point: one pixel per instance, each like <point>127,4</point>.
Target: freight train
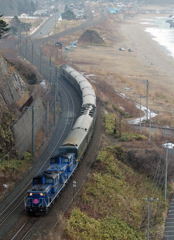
<point>48,184</point>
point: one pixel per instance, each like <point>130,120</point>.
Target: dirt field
<point>125,71</point>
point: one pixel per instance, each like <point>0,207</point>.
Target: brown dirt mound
<point>91,36</point>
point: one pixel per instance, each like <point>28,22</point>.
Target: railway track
<point>11,211</point>
<point>26,228</point>
<point>14,223</point>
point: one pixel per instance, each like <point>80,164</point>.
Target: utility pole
<point>33,152</point>
<point>148,217</point>
<point>166,174</point>
<point>26,48</point>
<point>41,60</point>
<point>150,128</point>
<point>50,69</point>
<point>20,37</point>
<point>120,125</point>
<point>32,53</point>
<point>55,95</point>
<point>147,98</point>
<point>140,112</point>
<point>47,119</point>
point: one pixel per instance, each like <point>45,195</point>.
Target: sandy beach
<point>150,62</point>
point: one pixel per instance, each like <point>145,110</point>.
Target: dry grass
<point>121,70</point>
<point>22,99</point>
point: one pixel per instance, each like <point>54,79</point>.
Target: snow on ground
<point>90,75</point>
<point>43,84</point>
<point>144,109</point>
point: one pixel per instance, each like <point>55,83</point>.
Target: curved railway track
<point>14,224</point>
<point>25,229</point>
<point>11,209</point>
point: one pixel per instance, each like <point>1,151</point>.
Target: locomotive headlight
<point>41,194</point>
<point>31,194</point>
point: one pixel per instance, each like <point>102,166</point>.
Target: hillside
<point>16,7</point>
<point>112,204</point>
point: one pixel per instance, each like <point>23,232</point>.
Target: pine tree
<point>3,27</point>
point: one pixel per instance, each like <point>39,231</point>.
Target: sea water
<point>161,32</point>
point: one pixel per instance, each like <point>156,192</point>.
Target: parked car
<point>66,48</point>
<point>130,50</point>
<point>121,49</point>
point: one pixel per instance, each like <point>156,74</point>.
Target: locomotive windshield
<point>65,160</point>
<point>37,180</point>
<point>48,180</point>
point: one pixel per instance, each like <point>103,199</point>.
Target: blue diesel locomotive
<point>48,184</point>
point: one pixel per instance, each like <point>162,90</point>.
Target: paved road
<point>45,28</point>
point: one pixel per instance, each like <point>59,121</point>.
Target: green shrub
<point>80,226</point>
<point>112,203</point>
<point>122,112</point>
<point>27,156</point>
<point>131,136</point>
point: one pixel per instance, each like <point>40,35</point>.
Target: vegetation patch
<point>120,129</point>
<point>81,226</point>
<point>132,136</point>
<point>6,135</point>
<point>122,112</point>
<point>113,203</point>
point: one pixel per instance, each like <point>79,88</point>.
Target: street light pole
<point>166,174</point>
<point>167,145</point>
<point>150,128</point>
<point>140,111</point>
<point>148,217</point>
<point>33,137</point>
<point>147,98</point>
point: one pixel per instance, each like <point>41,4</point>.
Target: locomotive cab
<point>42,193</point>
<point>64,164</point>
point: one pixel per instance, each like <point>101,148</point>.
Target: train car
<point>81,84</point>
<point>48,184</point>
<point>78,140</point>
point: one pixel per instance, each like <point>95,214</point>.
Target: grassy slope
<point>113,205</point>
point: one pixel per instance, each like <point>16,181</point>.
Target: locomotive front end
<point>35,202</point>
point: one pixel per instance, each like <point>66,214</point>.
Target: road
<point>44,29</point>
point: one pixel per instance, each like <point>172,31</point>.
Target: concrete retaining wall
<point>22,130</point>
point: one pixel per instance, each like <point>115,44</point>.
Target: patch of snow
<point>144,109</point>
<point>121,95</point>
<point>43,84</point>
<point>168,145</point>
<point>90,75</point>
